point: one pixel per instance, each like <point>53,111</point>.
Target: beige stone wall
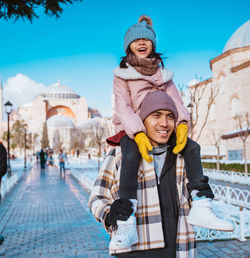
<point>231,85</point>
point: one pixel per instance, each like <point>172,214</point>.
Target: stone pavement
<point>46,215</point>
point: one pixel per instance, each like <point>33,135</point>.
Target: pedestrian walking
<point>141,72</point>
<point>43,159</point>
<point>62,157</point>
<point>3,170</point>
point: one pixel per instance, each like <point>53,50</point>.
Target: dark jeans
<point>42,165</point>
<point>62,166</point>
<point>131,160</point>
<point>129,168</point>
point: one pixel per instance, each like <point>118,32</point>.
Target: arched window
<point>235,106</point>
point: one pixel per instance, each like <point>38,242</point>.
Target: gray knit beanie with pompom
<point>141,30</point>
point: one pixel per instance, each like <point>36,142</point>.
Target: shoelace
<point>123,229</point>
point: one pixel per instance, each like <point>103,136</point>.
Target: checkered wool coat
<point>105,191</point>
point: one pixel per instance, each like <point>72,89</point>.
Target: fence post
<point>228,197</point>
<point>242,224</point>
<point>232,176</point>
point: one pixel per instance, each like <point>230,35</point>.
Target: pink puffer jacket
<point>130,88</point>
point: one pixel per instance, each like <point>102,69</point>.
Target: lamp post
<point>25,133</point>
<point>8,109</point>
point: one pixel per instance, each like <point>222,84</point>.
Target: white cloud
<point>20,90</point>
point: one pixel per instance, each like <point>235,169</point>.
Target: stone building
<point>59,106</point>
<point>230,83</point>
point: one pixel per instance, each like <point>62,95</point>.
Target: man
<point>62,158</point>
<point>43,159</point>
<point>3,169</point>
<point>162,195</point>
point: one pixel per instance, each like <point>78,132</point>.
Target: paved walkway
<point>47,216</point>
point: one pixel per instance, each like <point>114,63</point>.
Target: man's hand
<point>181,138</point>
<point>144,145</point>
<point>120,209</point>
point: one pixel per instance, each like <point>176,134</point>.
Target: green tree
<point>18,134</point>
<point>35,135</point>
<point>45,138</point>
<point>15,9</point>
<point>13,147</point>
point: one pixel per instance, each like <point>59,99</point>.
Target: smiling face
<point>141,47</point>
<point>159,125</point>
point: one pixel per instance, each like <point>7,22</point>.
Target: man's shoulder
<point>113,157</point>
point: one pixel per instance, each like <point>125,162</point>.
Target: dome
<point>240,38</point>
<point>58,90</point>
<point>60,121</point>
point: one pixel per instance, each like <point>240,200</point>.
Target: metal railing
<point>232,195</point>
<point>227,176</point>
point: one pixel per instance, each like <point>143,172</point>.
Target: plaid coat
<point>105,191</point>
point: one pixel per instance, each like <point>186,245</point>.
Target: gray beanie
<point>157,100</point>
<point>141,30</point>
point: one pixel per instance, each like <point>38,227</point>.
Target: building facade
<point>230,85</point>
<point>59,107</point>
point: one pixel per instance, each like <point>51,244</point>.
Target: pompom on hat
<point>157,100</point>
<point>141,30</point>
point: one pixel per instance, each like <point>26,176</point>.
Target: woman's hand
<point>144,146</point>
<point>181,138</point>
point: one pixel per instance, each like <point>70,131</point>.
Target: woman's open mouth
<point>142,50</point>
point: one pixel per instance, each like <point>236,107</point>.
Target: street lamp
<point>25,132</point>
<point>8,109</point>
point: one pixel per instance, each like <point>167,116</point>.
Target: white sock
<point>134,206</point>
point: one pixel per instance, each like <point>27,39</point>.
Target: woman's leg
<point>129,168</point>
<point>192,158</point>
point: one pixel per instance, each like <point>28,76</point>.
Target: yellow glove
<point>181,138</point>
<point>144,145</point>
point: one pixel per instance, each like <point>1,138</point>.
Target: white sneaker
<point>126,234</point>
<point>201,214</point>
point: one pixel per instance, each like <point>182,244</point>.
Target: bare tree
<point>77,141</point>
<point>216,141</point>
<point>96,133</point>
<point>57,143</point>
<point>243,126</point>
<point>200,94</point>
<point>99,133</point>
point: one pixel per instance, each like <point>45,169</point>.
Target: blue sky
<point>85,44</point>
